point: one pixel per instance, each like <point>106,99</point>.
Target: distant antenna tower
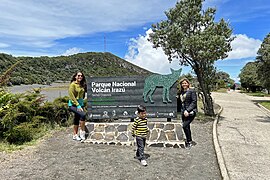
<point>104,42</point>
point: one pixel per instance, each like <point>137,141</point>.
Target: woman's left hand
<point>186,114</point>
<point>80,109</point>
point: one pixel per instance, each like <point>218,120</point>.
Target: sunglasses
<point>79,75</point>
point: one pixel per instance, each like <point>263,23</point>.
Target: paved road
<point>244,136</point>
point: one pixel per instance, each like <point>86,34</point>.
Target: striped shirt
<point>139,127</point>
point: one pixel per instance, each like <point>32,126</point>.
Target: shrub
<point>20,133</point>
<point>24,116</point>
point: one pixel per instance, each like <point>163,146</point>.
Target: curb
<point>267,111</point>
<point>220,158</point>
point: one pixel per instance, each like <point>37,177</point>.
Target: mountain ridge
<point>45,70</point>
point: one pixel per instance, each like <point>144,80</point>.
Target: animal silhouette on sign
<point>156,80</point>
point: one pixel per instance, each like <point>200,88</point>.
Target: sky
<point>121,27</point>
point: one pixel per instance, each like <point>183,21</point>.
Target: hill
<point>45,70</point>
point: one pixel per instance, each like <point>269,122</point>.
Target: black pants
<point>140,147</point>
<point>186,126</point>
<point>78,115</point>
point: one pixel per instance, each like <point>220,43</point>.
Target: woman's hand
<point>80,109</point>
<point>186,114</point>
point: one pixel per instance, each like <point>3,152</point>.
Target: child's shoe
<point>190,144</point>
<point>143,162</point>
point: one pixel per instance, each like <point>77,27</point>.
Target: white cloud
<point>72,51</point>
<point>141,53</point>
<point>244,47</point>
<point>30,53</point>
<point>41,23</point>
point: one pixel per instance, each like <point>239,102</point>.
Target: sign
<point>118,97</point>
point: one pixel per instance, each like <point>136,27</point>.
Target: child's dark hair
<point>141,108</point>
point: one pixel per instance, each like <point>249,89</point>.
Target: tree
<point>222,79</point>
<point>191,35</point>
<point>263,60</point>
<point>249,77</point>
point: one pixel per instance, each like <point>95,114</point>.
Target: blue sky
<point>53,28</point>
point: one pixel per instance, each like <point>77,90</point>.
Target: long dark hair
<point>82,82</point>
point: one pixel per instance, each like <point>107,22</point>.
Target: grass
<point>203,118</point>
<point>266,105</point>
<point>258,94</point>
<point>6,147</point>
<point>46,132</point>
<point>222,90</point>
<point>200,115</point>
<point>63,87</point>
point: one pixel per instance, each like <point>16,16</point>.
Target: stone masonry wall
<point>161,134</point>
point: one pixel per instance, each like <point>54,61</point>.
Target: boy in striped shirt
<point>140,130</point>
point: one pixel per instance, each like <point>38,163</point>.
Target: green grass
<point>258,94</point>
<point>6,147</point>
<point>203,118</point>
<point>200,115</point>
<point>63,87</point>
<point>222,90</point>
<point>265,104</point>
<point>46,132</point>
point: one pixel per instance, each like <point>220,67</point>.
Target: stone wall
<point>162,134</point>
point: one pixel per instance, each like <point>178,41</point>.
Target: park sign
<point>119,97</point>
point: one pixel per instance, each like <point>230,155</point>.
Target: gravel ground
<point>59,157</point>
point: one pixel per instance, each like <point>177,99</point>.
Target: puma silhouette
<point>156,80</point>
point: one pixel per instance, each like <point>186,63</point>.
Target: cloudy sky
<point>53,28</point>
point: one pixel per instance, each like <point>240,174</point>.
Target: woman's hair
<point>182,80</point>
<point>82,82</point>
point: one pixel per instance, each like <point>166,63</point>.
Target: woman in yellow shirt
<point>76,91</point>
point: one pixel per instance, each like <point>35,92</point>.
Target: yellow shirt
<point>76,94</point>
<point>139,127</point>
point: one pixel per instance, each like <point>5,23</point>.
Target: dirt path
<point>59,157</point>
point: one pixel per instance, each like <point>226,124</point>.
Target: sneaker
<point>190,144</point>
<point>76,137</point>
<point>82,135</point>
<point>143,162</point>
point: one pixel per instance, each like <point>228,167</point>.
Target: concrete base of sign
<point>162,134</point>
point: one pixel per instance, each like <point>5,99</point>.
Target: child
<point>140,130</point>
